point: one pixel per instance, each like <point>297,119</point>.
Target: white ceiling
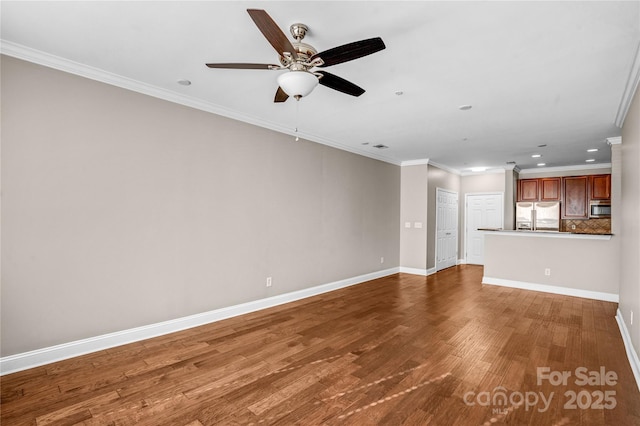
<point>552,73</point>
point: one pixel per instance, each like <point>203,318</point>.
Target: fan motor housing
<point>304,52</point>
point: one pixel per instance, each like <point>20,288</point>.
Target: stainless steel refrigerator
<point>540,216</point>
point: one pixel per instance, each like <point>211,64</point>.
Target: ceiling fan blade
<point>281,96</point>
<point>240,66</point>
<point>272,32</point>
<point>340,84</point>
<point>349,52</point>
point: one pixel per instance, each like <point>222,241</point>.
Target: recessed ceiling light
<point>184,82</point>
<point>542,164</point>
<point>536,156</point>
<point>592,150</point>
<point>399,93</point>
<point>464,107</point>
<point>365,143</point>
<point>542,146</point>
<point>380,146</point>
<point>590,160</point>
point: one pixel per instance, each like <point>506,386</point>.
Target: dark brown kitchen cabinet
<point>576,195</point>
<point>528,190</point>
<point>550,189</point>
<point>600,187</point>
<point>541,189</point>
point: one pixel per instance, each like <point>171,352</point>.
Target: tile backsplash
<point>587,226</point>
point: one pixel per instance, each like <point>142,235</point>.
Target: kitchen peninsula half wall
<point>560,263</point>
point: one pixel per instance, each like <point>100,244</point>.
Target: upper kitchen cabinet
<point>600,187</point>
<point>576,194</point>
<point>542,189</point>
<point>550,189</point>
<point>528,190</point>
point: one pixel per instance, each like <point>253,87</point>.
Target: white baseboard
<point>26,360</point>
<point>413,271</point>
<point>417,271</point>
<point>628,345</point>
<point>566,291</point>
<point>462,261</point>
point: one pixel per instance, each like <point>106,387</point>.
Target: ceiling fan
<point>300,58</point>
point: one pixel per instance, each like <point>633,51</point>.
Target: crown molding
<point>420,162</point>
<point>565,168</point>
<point>617,140</point>
<point>513,167</point>
<point>629,89</point>
<point>490,171</point>
<point>61,64</point>
<point>445,168</point>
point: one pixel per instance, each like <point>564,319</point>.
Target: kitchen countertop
<point>548,234</point>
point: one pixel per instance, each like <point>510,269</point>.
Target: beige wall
<point>510,197</point>
<point>413,208</point>
<point>438,178</point>
<point>581,264</point>
<point>417,247</point>
<point>630,224</point>
<point>121,210</point>
<point>487,182</point>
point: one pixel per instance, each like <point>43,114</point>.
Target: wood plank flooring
<point>401,350</point>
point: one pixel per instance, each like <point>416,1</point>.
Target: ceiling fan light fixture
<point>297,83</point>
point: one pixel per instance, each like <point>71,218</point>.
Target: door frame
<point>466,214</point>
<point>435,254</point>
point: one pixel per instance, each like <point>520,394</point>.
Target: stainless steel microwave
<point>599,209</point>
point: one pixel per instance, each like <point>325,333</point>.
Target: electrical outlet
<point>268,281</point>
<point>382,260</point>
<point>547,271</point>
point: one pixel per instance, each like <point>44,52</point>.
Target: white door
<point>482,211</point>
<point>446,229</point>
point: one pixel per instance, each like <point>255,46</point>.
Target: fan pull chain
<point>297,117</point>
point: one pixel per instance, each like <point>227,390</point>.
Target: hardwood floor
<point>401,350</point>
